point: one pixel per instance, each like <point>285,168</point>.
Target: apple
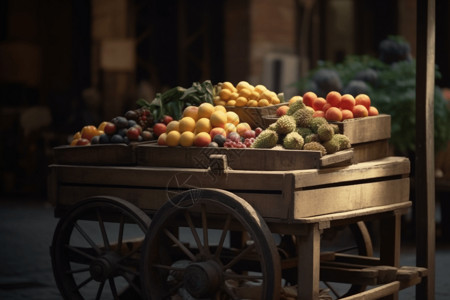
<point>133,133</point>
<point>159,128</point>
<point>202,139</point>
<point>167,119</point>
<point>258,130</point>
<point>249,134</point>
<point>82,142</point>
<point>110,128</point>
<point>217,130</point>
<point>282,110</point>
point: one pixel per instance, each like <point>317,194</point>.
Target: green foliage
<point>392,93</point>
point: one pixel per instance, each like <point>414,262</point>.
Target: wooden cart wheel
<point>351,239</point>
<point>206,267</point>
<point>96,249</point>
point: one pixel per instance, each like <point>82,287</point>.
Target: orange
<point>220,108</point>
<point>263,102</point>
<point>228,85</point>
<point>225,94</point>
<point>191,111</point>
<point>242,127</point>
<point>231,103</point>
<point>333,114</point>
<point>203,125</point>
<point>252,103</point>
<point>245,92</point>
<point>173,125</point>
<point>318,103</point>
<point>232,117</point>
<point>254,95</point>
<point>373,111</point>
<point>363,99</point>
<point>347,102</point>
<point>241,101</point>
<point>229,127</point>
<point>318,113</point>
<point>242,84</point>
<point>275,100</point>
<point>187,139</point>
<point>89,131</point>
<point>186,124</point>
<point>173,138</point>
<point>308,98</point>
<point>360,111</point>
<point>347,114</point>
<point>260,88</point>
<point>205,110</point>
<point>334,98</point>
<point>218,119</point>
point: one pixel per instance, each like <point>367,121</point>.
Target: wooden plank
<point>237,159</point>
<point>357,259</point>
<point>313,202</point>
<point>361,130</point>
<point>344,157</point>
<point>370,151</point>
<point>254,116</point>
<point>367,276</point>
<point>105,154</point>
<point>386,167</point>
<point>425,197</point>
<point>377,292</point>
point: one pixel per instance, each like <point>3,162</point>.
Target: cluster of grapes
<point>142,116</point>
<point>234,140</point>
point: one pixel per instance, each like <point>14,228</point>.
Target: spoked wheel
<point>352,239</point>
<point>96,250</point>
<point>187,252</point>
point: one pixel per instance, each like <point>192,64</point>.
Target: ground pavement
<point>26,229</point>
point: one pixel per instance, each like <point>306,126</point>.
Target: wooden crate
<point>238,159</point>
<point>104,154</point>
<point>254,116</point>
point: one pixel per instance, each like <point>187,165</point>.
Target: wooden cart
<point>151,221</point>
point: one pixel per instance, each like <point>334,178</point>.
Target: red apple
<point>159,128</point>
<point>133,133</point>
<point>110,128</point>
<point>82,142</point>
<point>217,130</point>
<point>167,119</point>
<point>202,139</point>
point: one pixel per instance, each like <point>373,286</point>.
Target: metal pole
<point>424,177</point>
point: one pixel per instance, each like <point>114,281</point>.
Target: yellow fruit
<point>229,127</point>
<point>186,124</point>
<point>77,135</point>
<point>260,88</point>
<point>234,96</point>
<point>191,111</point>
<point>232,118</point>
<point>218,119</point>
<point>205,110</point>
<point>225,94</point>
<point>263,102</point>
<point>220,108</point>
<point>254,95</point>
<point>102,125</point>
<point>241,85</point>
<point>74,141</point>
<point>89,131</point>
<point>228,85</point>
<point>294,99</point>
<point>173,125</point>
<point>245,92</point>
<point>241,101</point>
<point>203,125</point>
<point>187,139</point>
<point>275,101</point>
<point>231,103</point>
<point>173,138</point>
<point>242,127</point>
<point>265,95</point>
<point>252,103</point>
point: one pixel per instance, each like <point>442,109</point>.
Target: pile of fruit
<point>337,107</point>
<point>134,126</point>
<point>298,129</point>
<point>208,125</point>
<point>245,94</point>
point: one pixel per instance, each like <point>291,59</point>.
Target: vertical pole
<point>424,177</point>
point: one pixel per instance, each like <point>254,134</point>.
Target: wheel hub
<point>203,278</point>
<point>104,266</point>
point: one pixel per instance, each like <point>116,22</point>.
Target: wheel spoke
<point>205,228</point>
<point>77,271</point>
<point>227,275</point>
<point>129,254</point>
<point>194,232</point>
<point>179,244</point>
<point>239,256</point>
<point>223,235</point>
<point>103,230</point>
<point>120,237</point>
<point>78,251</point>
<point>87,238</point>
<point>112,285</point>
<point>100,291</point>
<point>170,268</point>
<point>83,283</point>
<point>132,284</point>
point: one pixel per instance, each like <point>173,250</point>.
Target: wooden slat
<point>389,166</point>
<point>370,151</point>
<point>327,200</point>
<point>105,154</point>
<point>367,276</point>
<point>362,130</point>
<point>377,292</point>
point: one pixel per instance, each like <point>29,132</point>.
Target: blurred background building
<point>69,63</point>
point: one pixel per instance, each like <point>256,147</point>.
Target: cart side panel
<point>312,202</point>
